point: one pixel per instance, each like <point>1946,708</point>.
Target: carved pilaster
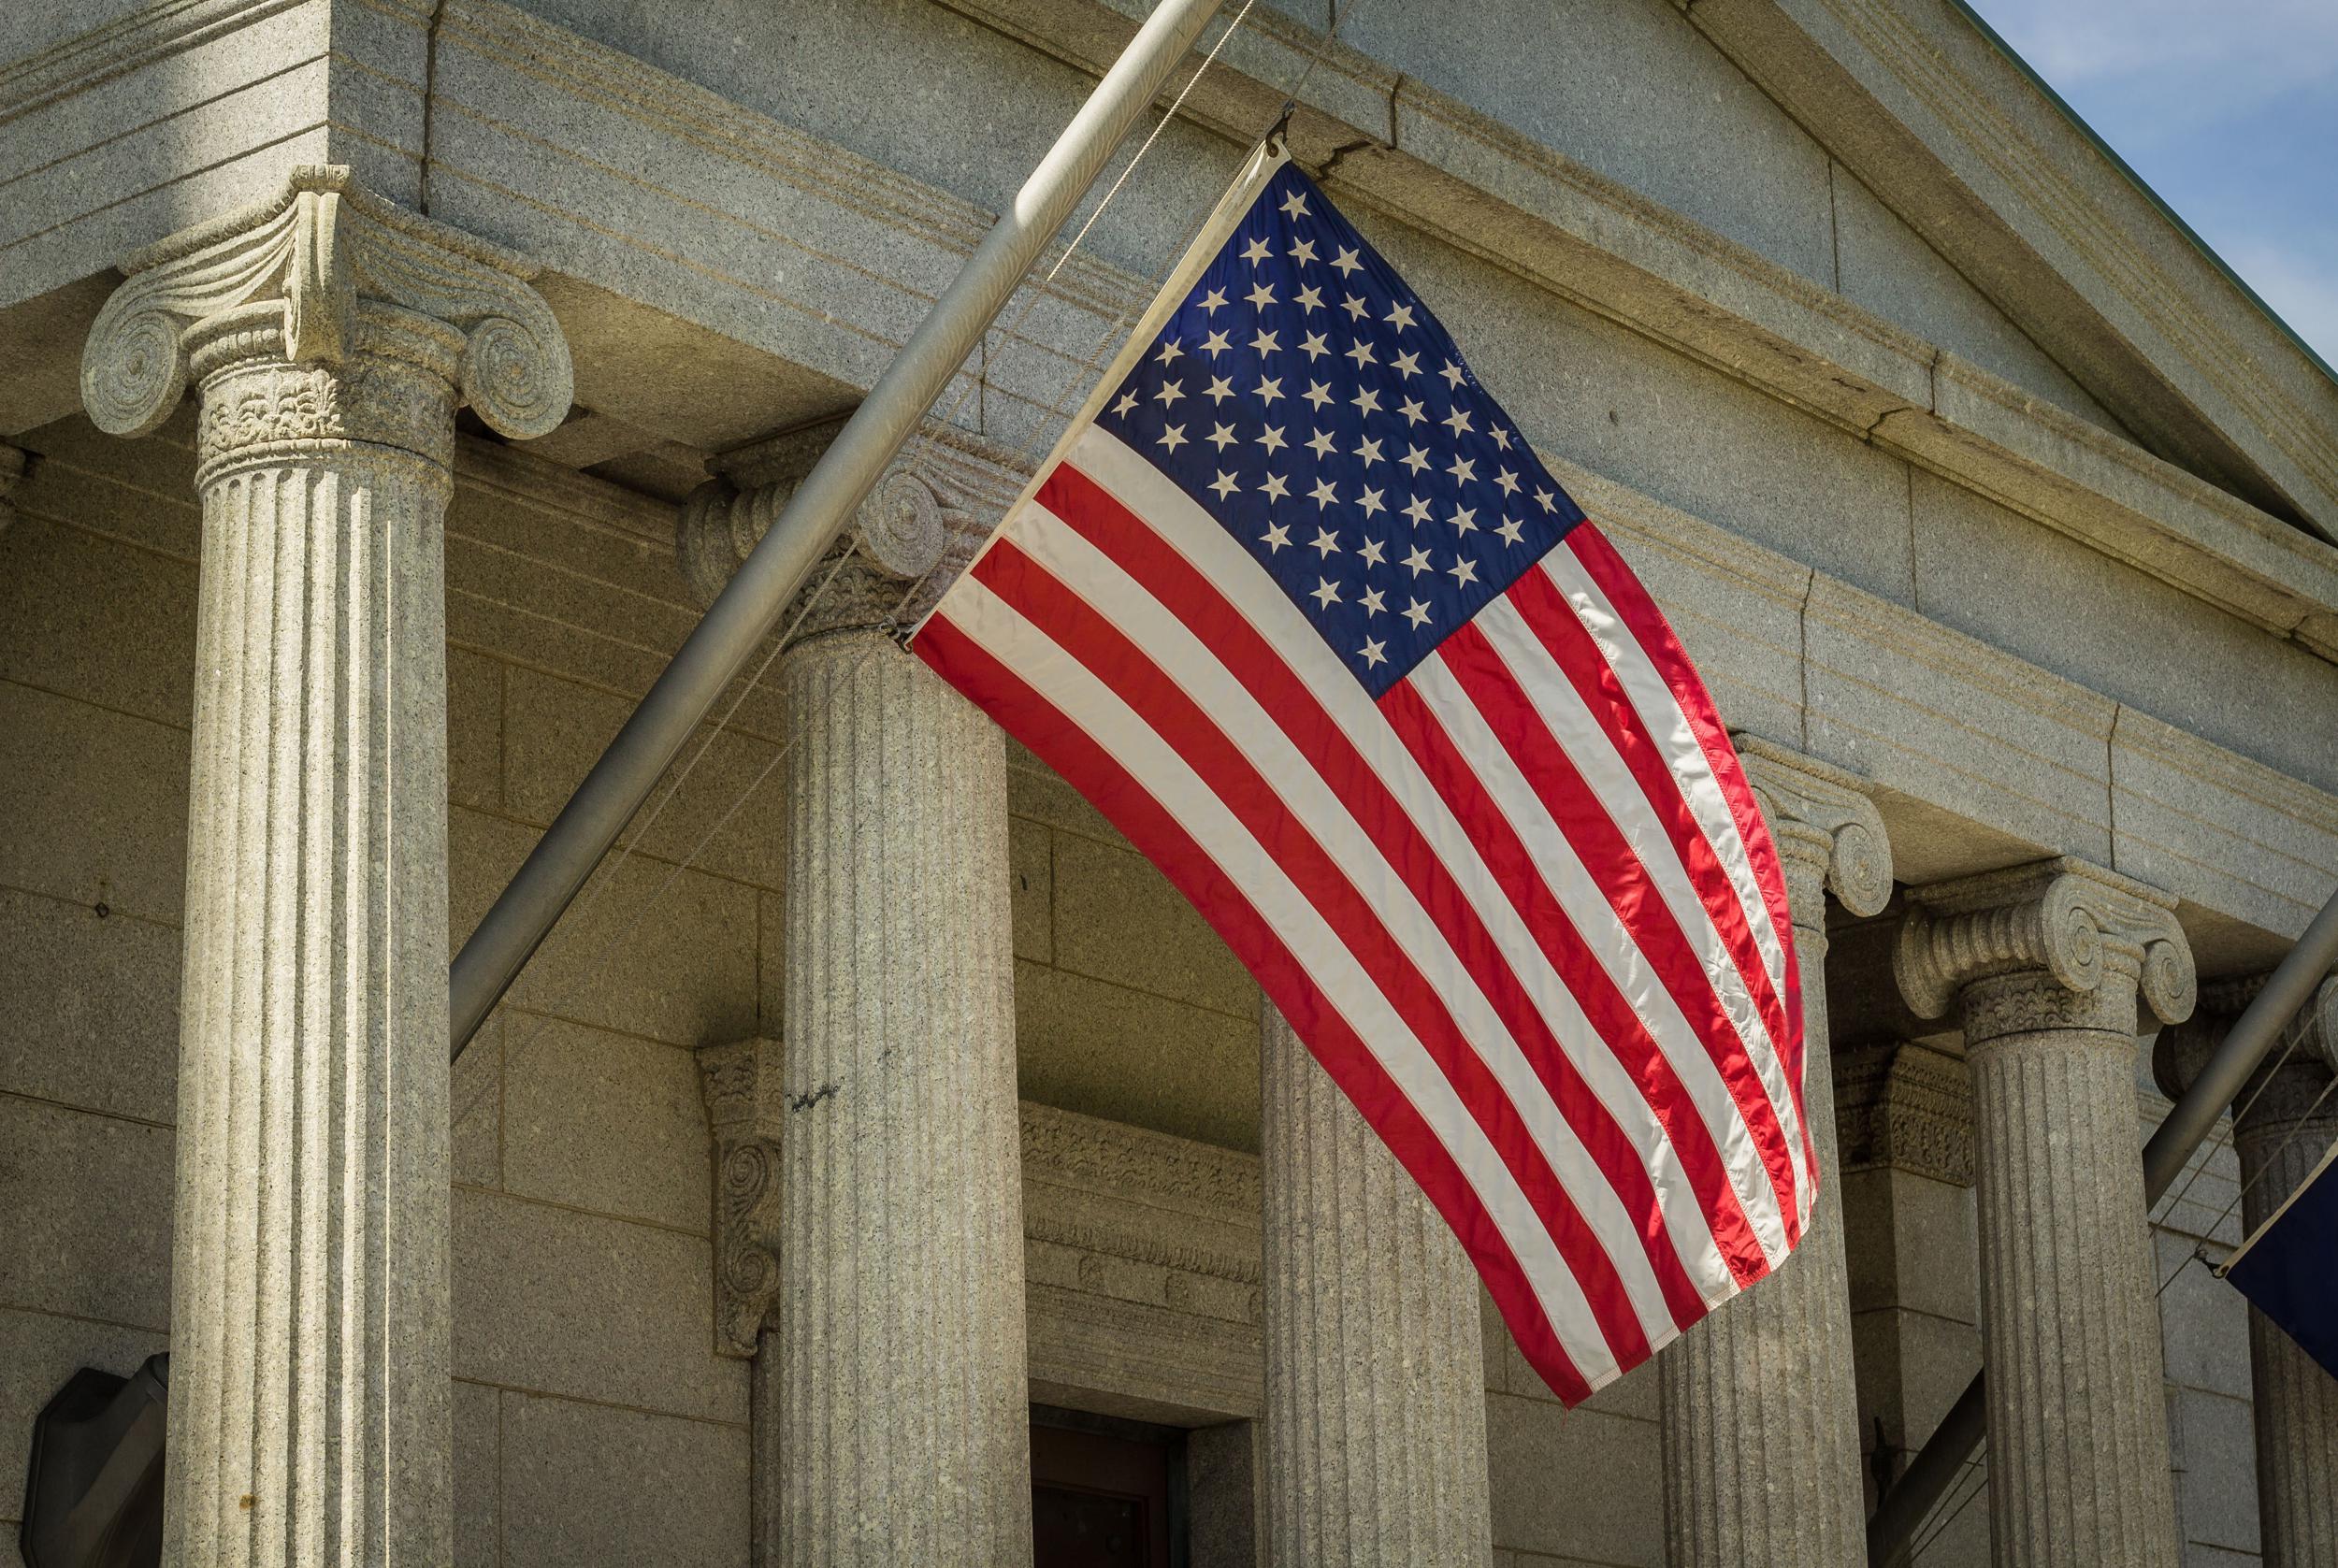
<point>2044,965</point>
<point>2290,1124</point>
<point>332,336</point>
<point>741,1081</point>
<point>2056,944</point>
<point>12,461</point>
<point>924,520</point>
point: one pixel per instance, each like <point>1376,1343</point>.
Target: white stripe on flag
<point>1685,760</point>
<point>1197,538</point>
<point>1187,660</point>
<point>1063,680</point>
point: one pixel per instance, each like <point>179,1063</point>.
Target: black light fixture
<point>94,1491</point>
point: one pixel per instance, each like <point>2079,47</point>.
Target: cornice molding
<point>155,33</point>
<point>1999,145</point>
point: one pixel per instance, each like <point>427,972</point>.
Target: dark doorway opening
<point>1105,1493</point>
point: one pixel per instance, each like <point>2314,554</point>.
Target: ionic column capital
<point>2059,944</point>
<point>744,1110</point>
<point>357,305</point>
<point>1830,838</point>
<point>2307,1052</point>
<point>921,524</point>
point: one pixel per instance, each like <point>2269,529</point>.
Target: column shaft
<point>1376,1416</point>
<point>329,332</point>
<point>2295,1400</point>
<point>308,1418</point>
<point>2078,1441</point>
<point>903,1407</point>
<point>1758,1409</point>
<point>2043,965</point>
<point>1759,1413</point>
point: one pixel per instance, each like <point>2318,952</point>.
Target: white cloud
<point>2239,50</point>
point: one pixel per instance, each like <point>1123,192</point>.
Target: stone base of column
<point>1376,1412</point>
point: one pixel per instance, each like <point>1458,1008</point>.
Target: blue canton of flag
<point>1313,406</point>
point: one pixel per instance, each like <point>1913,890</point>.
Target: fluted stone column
<point>898,1412</point>
<point>331,337</point>
<point>1375,1407</point>
<point>2042,966</point>
<point>1760,1415</point>
<point>2289,1127</point>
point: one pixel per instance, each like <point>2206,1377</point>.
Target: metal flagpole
<point>1941,1459</point>
<point>750,606</point>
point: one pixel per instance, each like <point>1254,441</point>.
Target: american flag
<point>1295,606</point>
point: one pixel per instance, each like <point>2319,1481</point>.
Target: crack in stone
<point>805,1102</point>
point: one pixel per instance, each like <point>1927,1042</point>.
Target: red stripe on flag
<point>1187,593</point>
<point>1655,637</point>
<point>1083,763</point>
<point>1571,647</point>
<point>1133,676</point>
<point>1546,769</point>
<point>1604,1004</point>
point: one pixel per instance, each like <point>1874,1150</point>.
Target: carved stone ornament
<point>2053,945</point>
<point>317,276</point>
<point>1905,1107</point>
<point>737,1079</point>
<point>1828,831</point>
<point>920,524</point>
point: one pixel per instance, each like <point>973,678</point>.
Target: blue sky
<point>2229,108</point>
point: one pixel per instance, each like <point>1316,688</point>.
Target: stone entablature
<point>1903,1106</point>
<point>1142,1255</point>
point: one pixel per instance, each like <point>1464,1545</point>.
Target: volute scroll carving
<point>1826,826</point>
<point>2290,1081</point>
<point>309,255</point>
<point>920,524</point>
<point>2059,943</point>
<point>737,1079</point>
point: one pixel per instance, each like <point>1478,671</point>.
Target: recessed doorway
<point>1105,1493</point>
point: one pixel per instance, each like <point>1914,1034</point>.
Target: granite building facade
<point>389,384</point>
